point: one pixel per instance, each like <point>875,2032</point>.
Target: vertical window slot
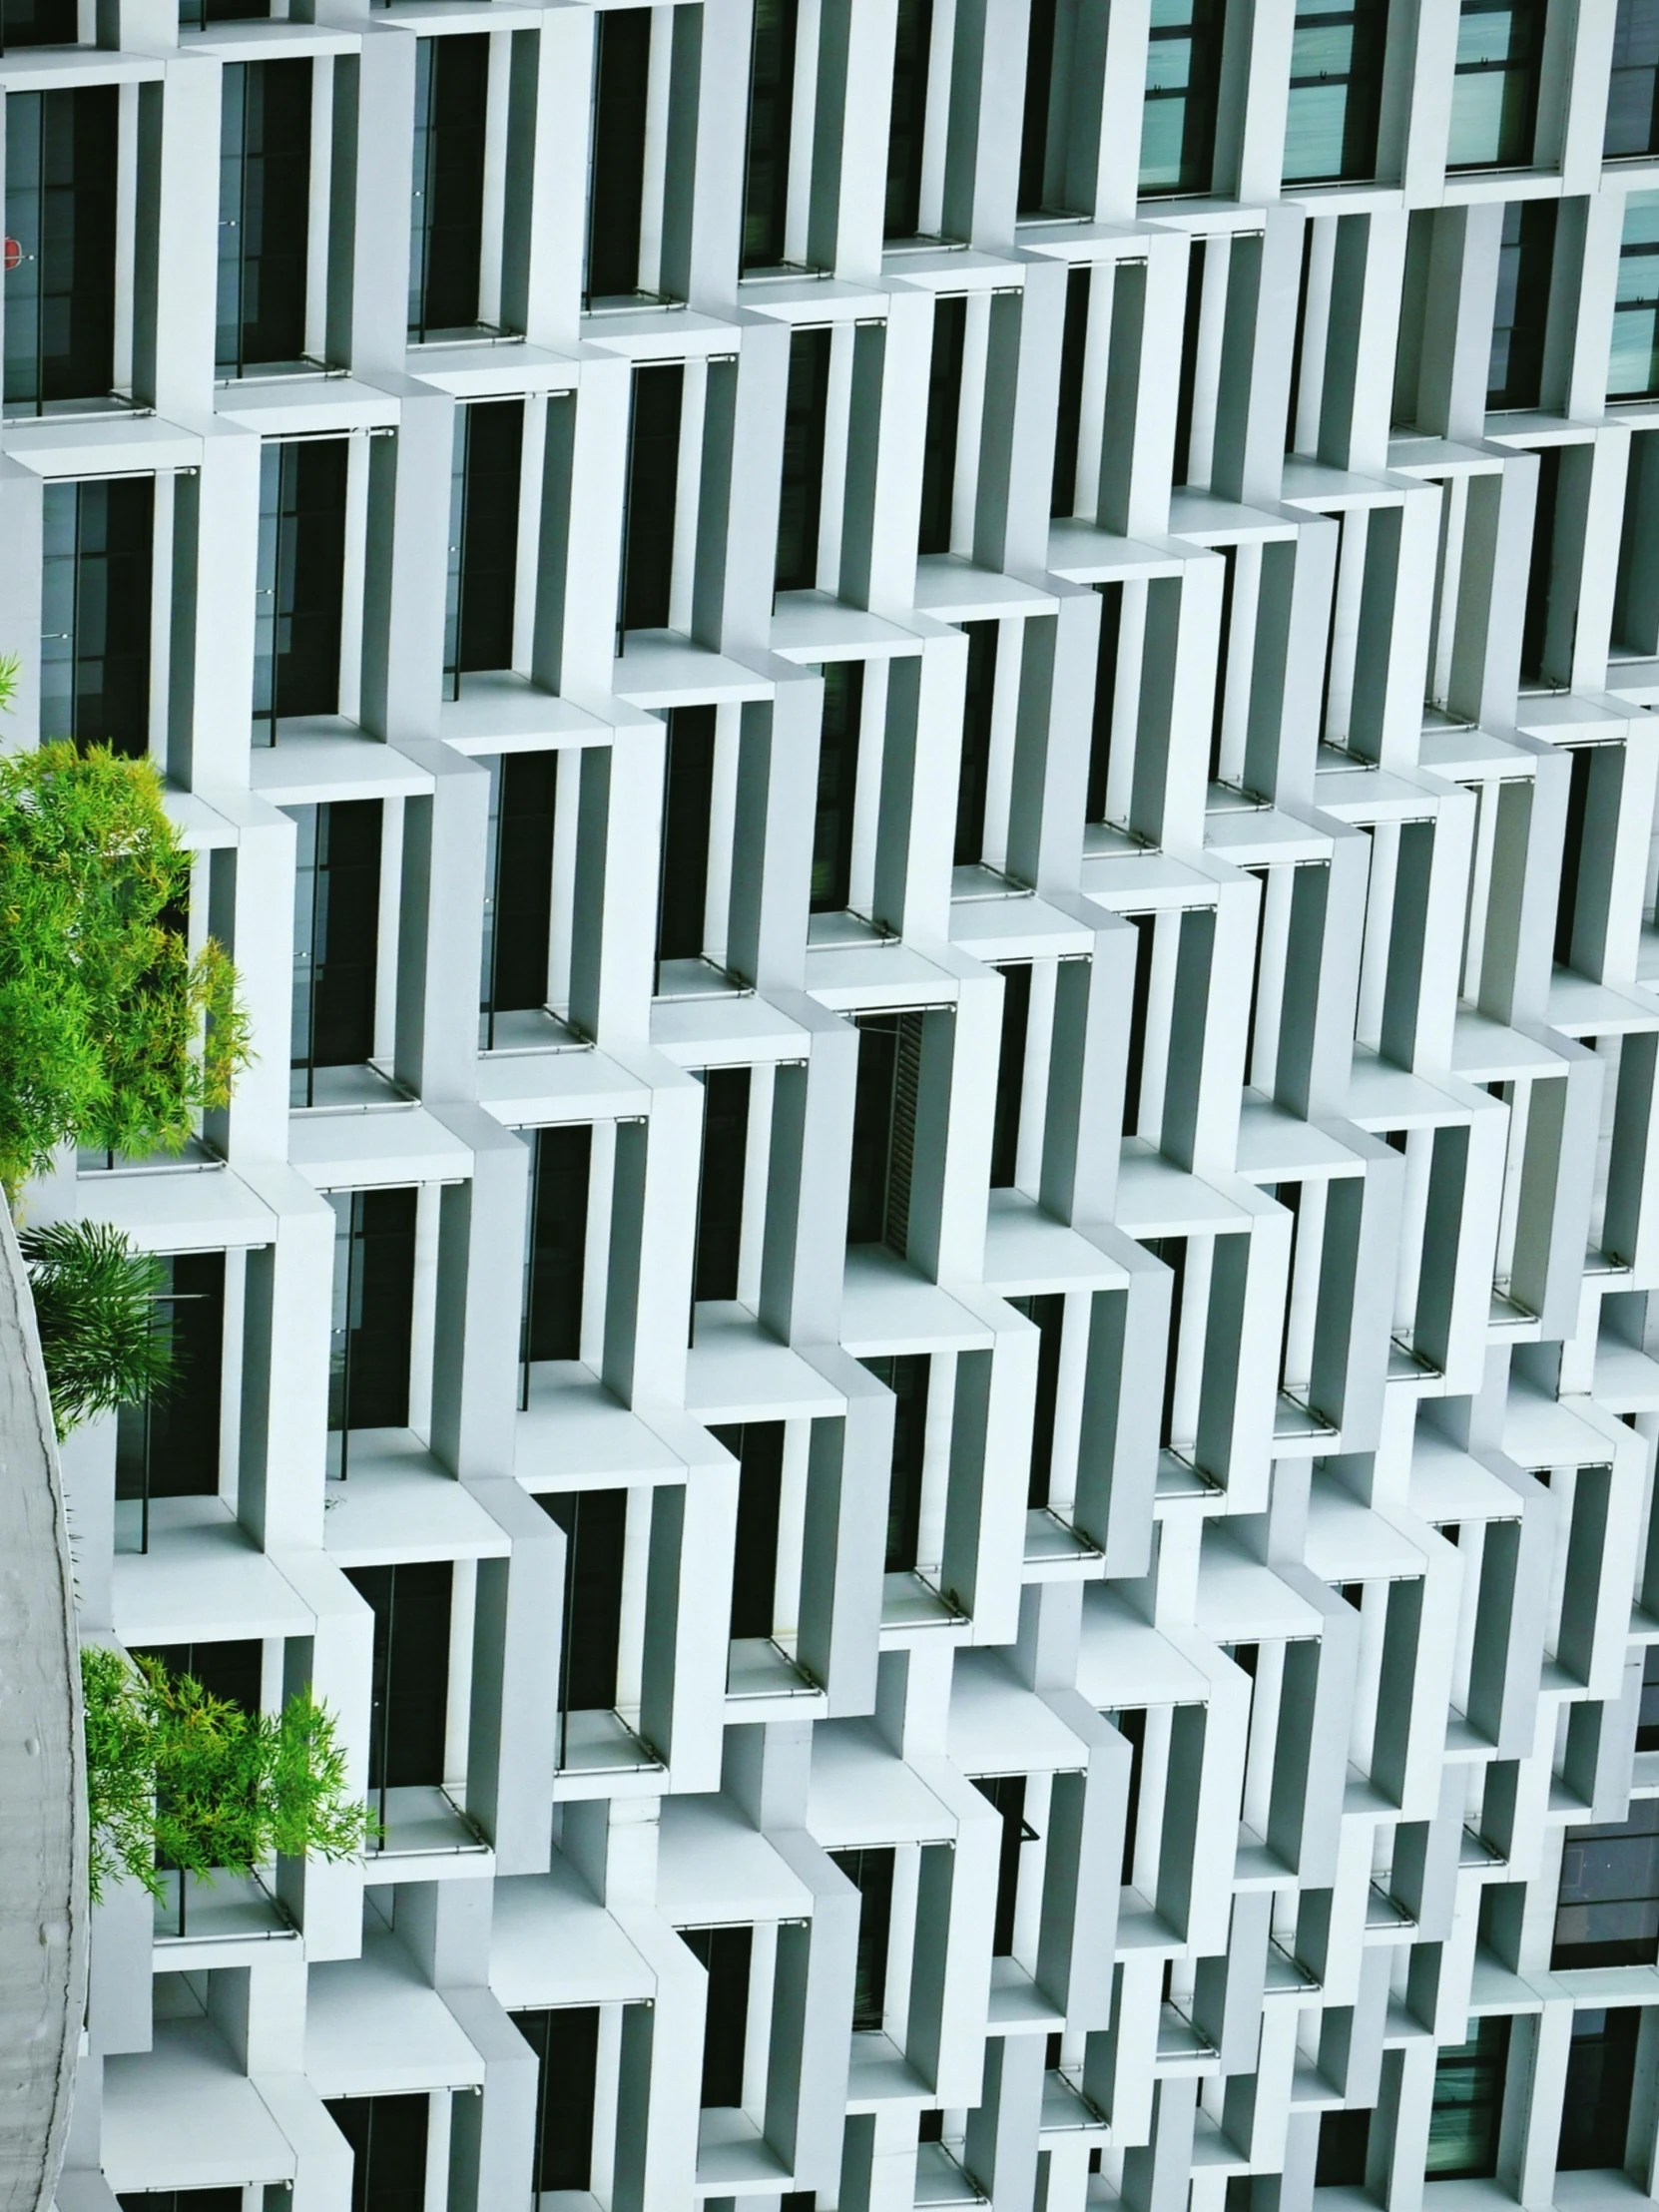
<point>616,187</point>
<point>883,1129</point>
<point>336,942</point>
<point>1494,86</point>
<point>1011,1073</point>
<point>907,118</point>
<point>447,220</point>
<point>1183,75</point>
<point>1514,377</point>
<point>765,189</point>
<point>801,491</point>
<point>483,538</point>
<point>653,483</point>
<point>907,1375</point>
<point>300,581</point>
<point>566,2044</point>
<point>974,767</point>
<point>758,1448</point>
<point>1336,93</point>
<point>726,1953</point>
<point>558,1235</point>
<point>688,797</point>
<point>96,619</point>
<point>945,407</point>
<point>595,1523</point>
<point>264,181</point>
<point>373,1315</point>
<point>519,905</point>
<point>870,1872</point>
<point>1068,418</point>
<point>838,785</point>
<point>410,1682</point>
<point>62,160</point>
<point>387,2136</point>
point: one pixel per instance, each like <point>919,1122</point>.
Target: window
<point>801,490</point>
<point>1541,574</point>
<point>1583,760</point>
<point>870,1874</point>
<point>1011,1073</point>
<point>1601,2074</point>
<point>616,189</point>
<point>230,1670</point>
<point>373,1313</point>
<point>653,475</point>
<point>62,150</point>
<point>1336,90</point>
<point>726,1953</point>
<point>1041,160</point>
<point>1145,927</point>
<point>1186,390</point>
<point>557,1244</point>
<point>944,406</point>
<point>721,1183</point>
<point>1068,418</point>
<point>1172,1251</point>
<point>1047,1311</point>
<point>196,14</point>
<point>907,118</point>
<point>1633,357</point>
<point>96,612</point>
<point>410,1682</point>
<point>1525,257</point>
<point>595,1523</point>
<point>765,185</point>
<point>905,1375</point>
<point>1633,88</point>
<point>264,172</point>
<point>566,2044</point>
<point>1007,1793</point>
<point>389,2150</point>
<point>483,538</point>
<point>167,1445</point>
<point>1647,1713</point>
<point>1607,1907</point>
<point>974,767</point>
<point>446,223</point>
<point>336,922</point>
<point>687,797</point>
<point>837,787</point>
<point>1105,699</point>
<point>758,1448</point>
<point>1495,91</point>
<point>518,905</point>
<point>179,2200</point>
<point>1345,2144</point>
<point>883,1129</point>
<point>1183,72</point>
<point>300,581</point>
<point>1131,1726</point>
<point>40,23</point>
<point>1468,2104</point>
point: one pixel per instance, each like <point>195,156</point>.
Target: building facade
<point>925,730</point>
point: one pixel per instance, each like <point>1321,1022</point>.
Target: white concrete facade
<point>1318,1162</point>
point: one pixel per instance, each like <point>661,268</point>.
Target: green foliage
<point>121,1772</point>
<point>176,1775</point>
<point>111,1034</point>
<point>95,1308</point>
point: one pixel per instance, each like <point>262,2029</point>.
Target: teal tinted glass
<point>1314,117</point>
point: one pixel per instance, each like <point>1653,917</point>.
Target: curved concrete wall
<point>43,1826</point>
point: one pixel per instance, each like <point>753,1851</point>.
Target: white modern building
<point>924,729</point>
